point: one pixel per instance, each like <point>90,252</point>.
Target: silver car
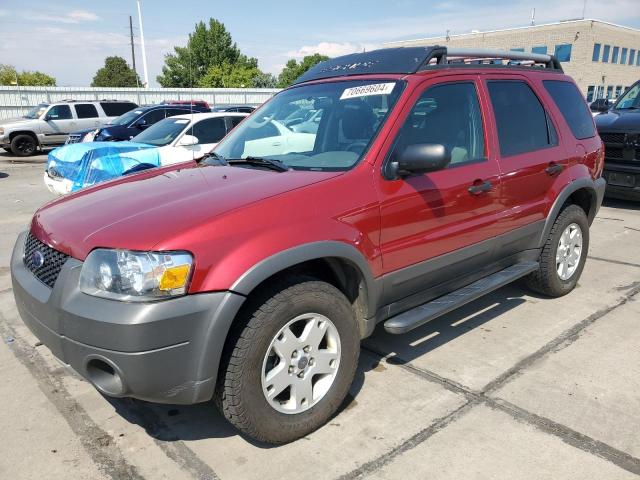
<point>48,125</point>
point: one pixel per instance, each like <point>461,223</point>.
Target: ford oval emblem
<point>37,259</point>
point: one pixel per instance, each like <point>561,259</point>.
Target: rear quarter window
<point>115,109</point>
<point>572,106</point>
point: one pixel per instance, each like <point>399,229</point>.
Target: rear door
<point>531,154</point>
<point>87,115</point>
<point>452,211</point>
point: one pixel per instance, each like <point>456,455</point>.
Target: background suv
<point>251,277</point>
<point>48,125</point>
<point>132,123</point>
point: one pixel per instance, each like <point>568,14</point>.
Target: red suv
<point>433,177</point>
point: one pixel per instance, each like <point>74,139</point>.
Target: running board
<point>426,312</point>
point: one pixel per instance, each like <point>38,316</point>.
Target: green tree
<point>265,80</point>
<point>293,69</point>
<point>208,46</point>
<point>115,73</point>
<point>238,75</point>
<point>8,76</point>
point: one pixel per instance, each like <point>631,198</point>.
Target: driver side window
<point>449,115</point>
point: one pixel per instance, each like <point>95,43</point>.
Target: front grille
<point>43,261</point>
<point>613,152</point>
<point>613,137</point>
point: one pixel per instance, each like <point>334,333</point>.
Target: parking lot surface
<point>511,386</point>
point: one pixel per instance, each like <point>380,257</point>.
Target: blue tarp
<point>88,163</point>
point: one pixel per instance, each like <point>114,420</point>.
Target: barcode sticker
<point>368,90</point>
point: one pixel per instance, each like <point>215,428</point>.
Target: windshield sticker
<point>368,90</point>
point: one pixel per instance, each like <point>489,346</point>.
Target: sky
<point>70,39</point>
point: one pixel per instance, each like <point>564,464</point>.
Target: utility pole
<point>533,16</point>
<point>133,51</point>
<point>584,9</point>
<point>144,53</point>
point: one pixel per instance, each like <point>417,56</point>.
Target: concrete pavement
<point>511,386</point>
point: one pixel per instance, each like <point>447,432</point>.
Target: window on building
<point>605,53</point>
<point>519,49</point>
<point>563,52</point>
<point>596,52</point>
<point>609,91</point>
<point>623,56</point>
<point>599,91</point>
<point>590,91</point>
<point>632,56</point>
<point>618,90</point>
<point>86,110</point>
<point>571,104</point>
<point>638,59</point>
<point>523,125</point>
<point>539,49</point>
<point>614,54</point>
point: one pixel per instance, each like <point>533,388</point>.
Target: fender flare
<point>306,252</point>
<point>596,193</point>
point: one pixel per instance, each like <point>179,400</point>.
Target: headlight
<point>135,276</point>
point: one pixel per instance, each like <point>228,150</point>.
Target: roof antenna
<point>533,16</point>
<point>448,37</point>
<point>584,9</point>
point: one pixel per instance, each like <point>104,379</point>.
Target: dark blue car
<point>130,124</point>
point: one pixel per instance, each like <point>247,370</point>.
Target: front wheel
<point>290,361</point>
<point>23,145</point>
<point>563,255</point>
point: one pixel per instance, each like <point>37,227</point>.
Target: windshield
<point>162,133</point>
<point>631,99</point>
<point>126,118</point>
<point>348,113</point>
<point>36,112</point>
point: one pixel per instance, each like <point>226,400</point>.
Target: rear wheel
<point>23,145</point>
<point>290,361</point>
<point>563,255</point>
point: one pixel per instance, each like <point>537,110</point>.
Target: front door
<point>438,226</point>
<point>59,122</point>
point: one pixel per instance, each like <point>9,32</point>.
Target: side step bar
<point>426,312</point>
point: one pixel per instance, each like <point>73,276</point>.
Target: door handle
<point>553,169</point>
<point>478,188</point>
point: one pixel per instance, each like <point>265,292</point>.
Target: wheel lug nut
<point>301,374</point>
<point>291,369</point>
<point>294,354</point>
<point>311,361</point>
<point>306,349</point>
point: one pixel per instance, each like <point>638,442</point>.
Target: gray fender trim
<point>596,189</point>
<point>312,251</point>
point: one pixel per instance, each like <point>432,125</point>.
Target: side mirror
<point>600,105</point>
<point>49,116</point>
<point>188,141</point>
<point>418,159</point>
<point>142,124</point>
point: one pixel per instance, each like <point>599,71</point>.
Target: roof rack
<point>409,60</point>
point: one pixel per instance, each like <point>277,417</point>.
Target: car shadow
<point>3,175</point>
<point>619,203</point>
<point>405,348</point>
<point>170,423</point>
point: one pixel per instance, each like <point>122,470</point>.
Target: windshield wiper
<point>213,155</point>
<point>260,162</point>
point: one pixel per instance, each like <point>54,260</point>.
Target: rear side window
<point>235,121</point>
<point>115,109</point>
<point>154,116</point>
<point>523,125</point>
<point>210,130</point>
<point>572,106</point>
<point>86,110</point>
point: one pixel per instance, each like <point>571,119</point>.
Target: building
<point>603,58</point>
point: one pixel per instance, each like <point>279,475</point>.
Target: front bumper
<point>165,351</point>
<point>623,180</point>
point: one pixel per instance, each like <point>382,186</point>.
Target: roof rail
<point>549,61</point>
<point>408,60</point>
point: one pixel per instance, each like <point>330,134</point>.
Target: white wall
<point>15,101</point>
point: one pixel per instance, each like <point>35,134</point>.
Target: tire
<point>548,280</point>
<point>23,145</point>
<point>241,390</point>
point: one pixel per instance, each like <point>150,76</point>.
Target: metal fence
<point>16,101</point>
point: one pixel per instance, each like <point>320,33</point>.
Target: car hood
<point>139,211</point>
<point>618,120</point>
<point>15,121</point>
